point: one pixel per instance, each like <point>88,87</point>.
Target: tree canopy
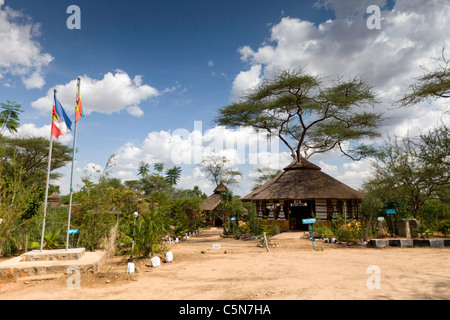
<point>31,154</point>
<point>307,116</point>
<point>433,84</point>
<point>413,169</point>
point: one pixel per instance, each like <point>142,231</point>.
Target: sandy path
<point>241,270</point>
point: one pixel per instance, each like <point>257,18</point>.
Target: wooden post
<point>265,242</point>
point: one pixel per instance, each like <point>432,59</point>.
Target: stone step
<point>54,255</point>
<point>16,268</point>
<point>42,277</point>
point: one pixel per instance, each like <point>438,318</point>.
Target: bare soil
<point>241,270</point>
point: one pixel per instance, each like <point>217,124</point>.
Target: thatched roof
<point>213,201</point>
<point>302,180</point>
<point>220,188</point>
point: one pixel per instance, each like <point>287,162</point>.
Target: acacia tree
<point>414,169</point>
<point>307,117</point>
<point>217,170</point>
<point>433,84</point>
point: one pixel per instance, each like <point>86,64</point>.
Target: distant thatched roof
<point>213,201</point>
<point>302,180</point>
<point>220,188</point>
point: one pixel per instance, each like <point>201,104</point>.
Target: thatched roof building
<point>302,189</point>
<point>213,201</point>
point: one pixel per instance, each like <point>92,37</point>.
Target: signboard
<point>73,231</point>
<point>299,204</point>
<point>380,219</point>
<point>233,219</point>
<point>309,221</point>
<point>392,212</point>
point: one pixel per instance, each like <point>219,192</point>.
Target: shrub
<point>444,227</point>
<point>274,230</point>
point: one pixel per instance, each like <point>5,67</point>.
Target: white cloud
<point>34,81</point>
<point>246,80</point>
<point>411,35</point>
<point>30,130</point>
<point>20,53</point>
<point>114,93</point>
<point>389,59</point>
<point>353,173</point>
<point>210,63</point>
<point>135,111</point>
<point>244,148</point>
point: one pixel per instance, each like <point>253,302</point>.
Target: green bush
<point>322,231</point>
<point>444,227</point>
<point>274,230</point>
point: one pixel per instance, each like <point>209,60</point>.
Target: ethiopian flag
<point>79,107</point>
<point>61,123</point>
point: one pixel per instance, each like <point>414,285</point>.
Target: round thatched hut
<point>301,191</point>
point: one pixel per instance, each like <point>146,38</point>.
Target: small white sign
<point>380,219</point>
<point>216,246</point>
<point>156,262</point>
<point>130,268</point>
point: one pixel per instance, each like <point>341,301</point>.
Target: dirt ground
<point>240,270</point>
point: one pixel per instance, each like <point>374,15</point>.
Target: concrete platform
<point>54,255</point>
<point>16,268</point>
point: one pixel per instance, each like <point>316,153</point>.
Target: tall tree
<point>217,170</point>
<point>307,117</point>
<point>9,117</point>
<point>414,169</point>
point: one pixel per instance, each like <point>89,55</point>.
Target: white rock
<point>156,262</point>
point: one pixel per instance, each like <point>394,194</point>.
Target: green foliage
<point>252,218</point>
<point>433,84</point>
<point>151,226</point>
<point>9,116</point>
<point>173,175</point>
<point>14,201</point>
<point>444,227</point>
<point>53,241</point>
<point>411,171</point>
<point>186,215</point>
<point>322,231</point>
<point>31,155</point>
<point>346,231</point>
<point>274,230</point>
<point>230,206</point>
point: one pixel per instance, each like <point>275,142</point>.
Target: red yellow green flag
<point>79,107</point>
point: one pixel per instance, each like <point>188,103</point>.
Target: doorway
<point>298,212</point>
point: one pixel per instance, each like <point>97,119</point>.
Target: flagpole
<point>71,174</point>
<point>48,180</point>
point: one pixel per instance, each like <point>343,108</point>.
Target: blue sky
<point>152,67</point>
